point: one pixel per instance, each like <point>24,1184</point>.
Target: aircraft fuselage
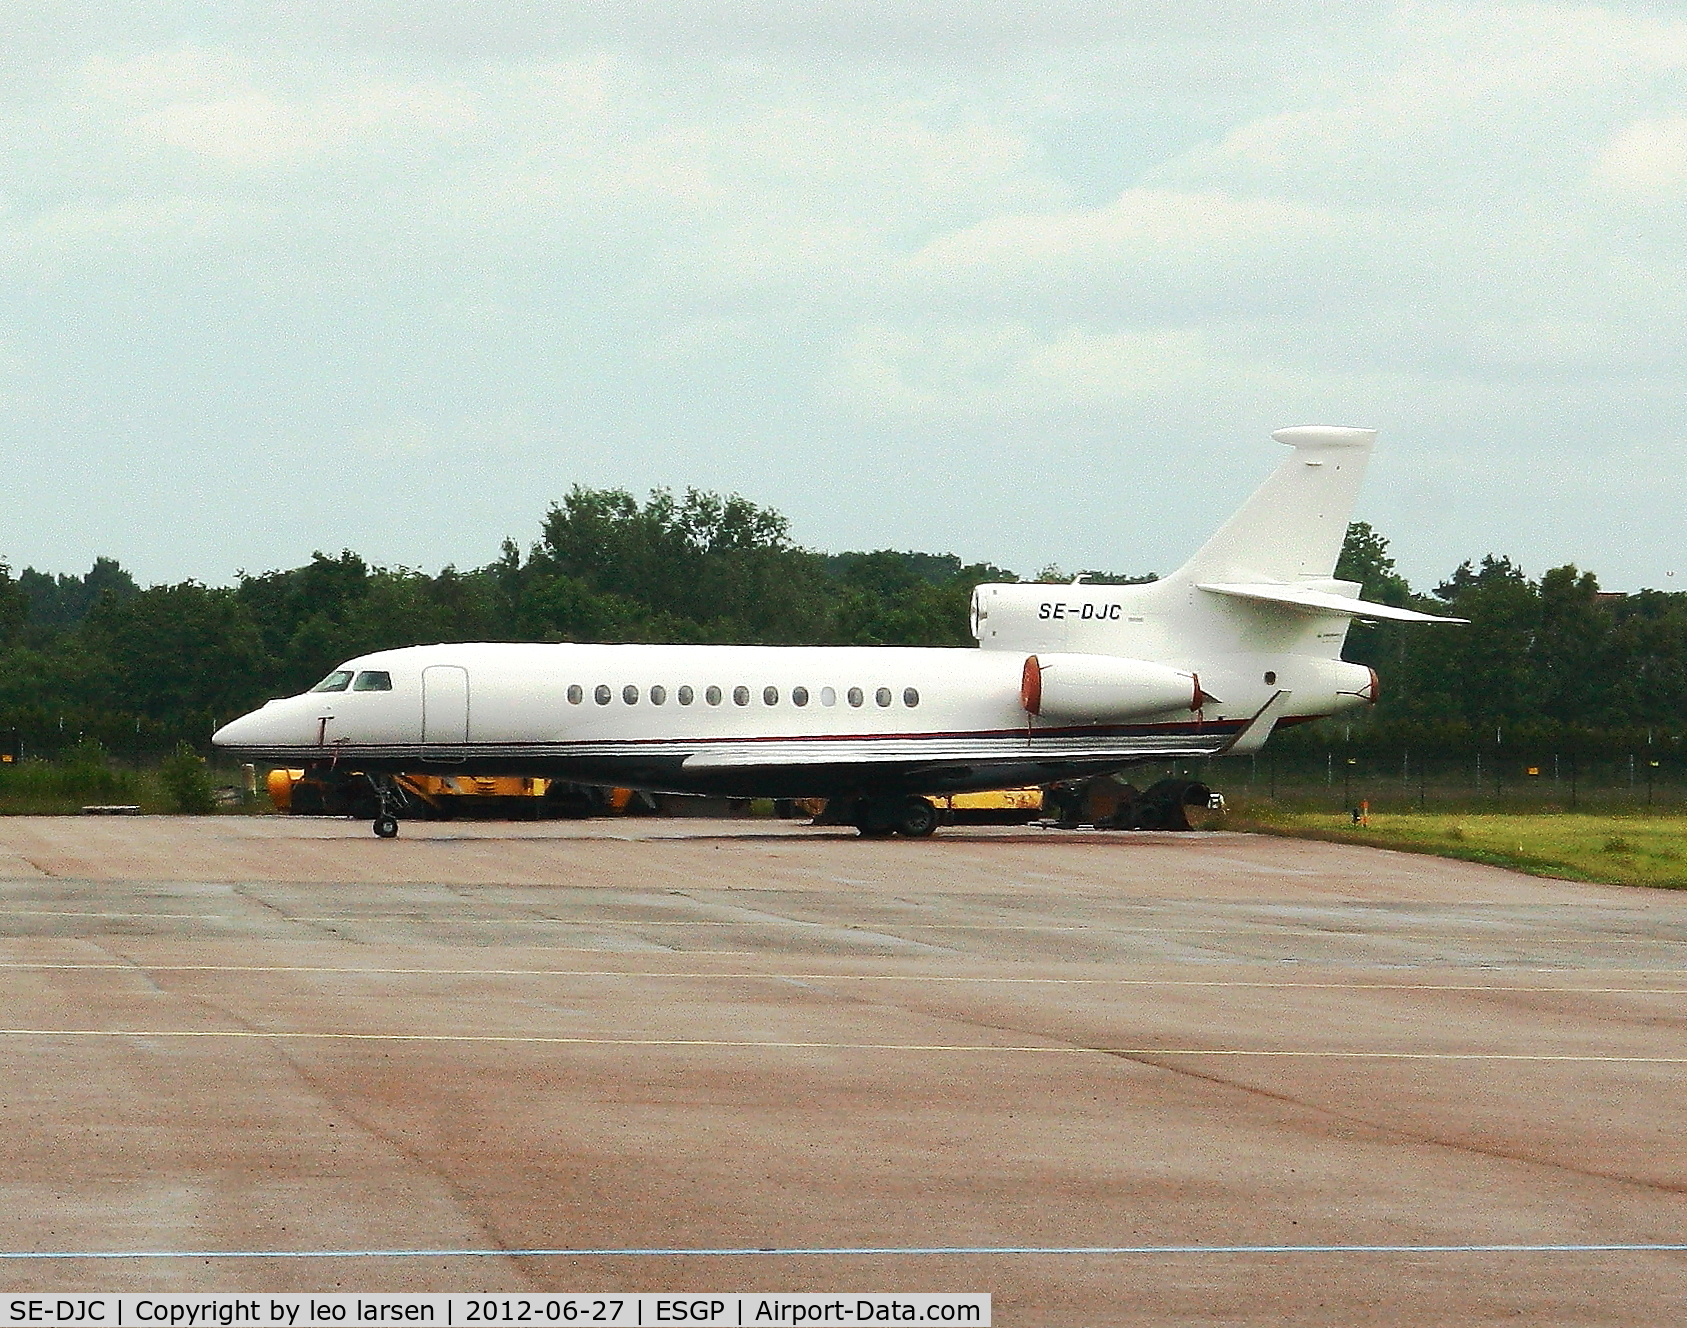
<point>738,721</point>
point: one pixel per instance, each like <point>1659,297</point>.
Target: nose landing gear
<point>386,819</point>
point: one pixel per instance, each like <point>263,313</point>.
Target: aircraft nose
<point>261,729</point>
<point>235,733</point>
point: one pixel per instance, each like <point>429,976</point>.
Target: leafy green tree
<point>187,782</point>
<point>1646,658</point>
<point>1381,644</point>
<point>558,607</point>
<point>1365,558</point>
<point>14,606</point>
<point>1571,652</point>
<point>913,599</point>
<point>281,604</point>
<point>63,601</point>
<point>138,669</point>
<point>186,654</point>
<point>1484,673</point>
<point>720,563</point>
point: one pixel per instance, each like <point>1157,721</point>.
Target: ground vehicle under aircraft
<point>1067,681</point>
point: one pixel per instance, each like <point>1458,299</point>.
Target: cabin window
<point>799,696</point>
<point>576,693</point>
<point>658,695</point>
<point>372,680</point>
<point>740,696</point>
<point>910,697</point>
<point>1270,679</point>
<point>856,696</point>
<point>601,693</point>
<point>629,694</point>
<point>337,681</point>
<point>770,696</point>
<point>828,696</point>
<point>685,695</point>
<point>882,696</point>
<point>712,696</point>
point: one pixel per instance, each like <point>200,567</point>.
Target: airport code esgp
<point>483,1310</point>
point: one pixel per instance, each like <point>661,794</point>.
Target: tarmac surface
<point>1109,1078</point>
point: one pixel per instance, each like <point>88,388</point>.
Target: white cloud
<point>1476,106</point>
<point>1001,372</point>
<point>1647,160</point>
<point>697,238</point>
<point>1182,241</point>
<point>254,129</point>
<point>152,78</point>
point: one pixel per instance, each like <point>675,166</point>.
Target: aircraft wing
<point>984,750</point>
<point>1321,601</point>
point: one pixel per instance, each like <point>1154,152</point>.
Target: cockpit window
<point>337,681</point>
<point>373,680</point>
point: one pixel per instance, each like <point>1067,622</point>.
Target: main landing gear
<point>913,818</point>
<point>1106,804</point>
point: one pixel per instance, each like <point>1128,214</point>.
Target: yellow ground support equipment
<point>996,807</point>
<point>441,797</point>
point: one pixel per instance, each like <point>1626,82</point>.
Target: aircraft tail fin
<point>1293,526</point>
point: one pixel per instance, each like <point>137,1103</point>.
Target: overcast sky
<point>1026,280</point>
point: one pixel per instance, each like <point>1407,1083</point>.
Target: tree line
<point>138,668</point>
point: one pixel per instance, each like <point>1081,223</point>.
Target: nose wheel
<point>386,819</point>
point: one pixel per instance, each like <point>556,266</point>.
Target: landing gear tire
<point>916,819</point>
<point>386,827</point>
<point>875,818</point>
<point>913,818</point>
<point>1168,805</point>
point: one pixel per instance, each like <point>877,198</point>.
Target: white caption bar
<point>230,1310</point>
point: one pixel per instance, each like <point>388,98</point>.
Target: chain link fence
<point>1342,778</point>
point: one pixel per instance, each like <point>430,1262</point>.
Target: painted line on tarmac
<point>837,977</point>
<point>87,913</point>
<point>1246,926</point>
<point>1260,927</point>
<point>842,1250</point>
<point>1012,1049</point>
<point>139,967</point>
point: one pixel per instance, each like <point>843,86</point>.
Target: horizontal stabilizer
<point>1307,600</point>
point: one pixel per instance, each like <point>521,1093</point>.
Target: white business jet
<point>1068,681</point>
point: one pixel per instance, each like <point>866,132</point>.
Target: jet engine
<point>1102,687</point>
<point>1333,685</point>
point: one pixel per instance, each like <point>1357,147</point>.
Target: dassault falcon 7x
<point>1067,681</point>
